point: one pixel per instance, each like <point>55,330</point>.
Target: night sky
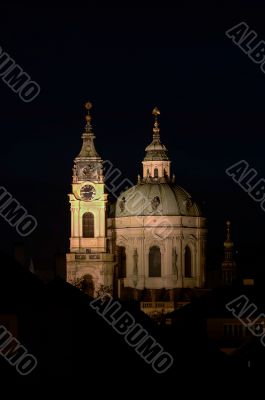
<point>126,61</point>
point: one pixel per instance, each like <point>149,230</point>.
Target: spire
<point>88,148</point>
<point>88,127</point>
<point>156,129</point>
<point>156,164</point>
<point>88,164</point>
<point>228,265</point>
<point>228,234</point>
<point>156,150</point>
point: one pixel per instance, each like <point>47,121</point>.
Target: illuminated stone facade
<point>154,236</point>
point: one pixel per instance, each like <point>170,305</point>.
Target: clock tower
<point>89,262</point>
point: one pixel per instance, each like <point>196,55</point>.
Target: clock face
<point>87,192</point>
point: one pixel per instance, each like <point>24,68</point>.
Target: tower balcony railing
<point>158,305</point>
<point>76,256</point>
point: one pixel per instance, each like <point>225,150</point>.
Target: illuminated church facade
<point>152,239</point>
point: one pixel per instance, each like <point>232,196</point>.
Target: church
<point>150,241</point>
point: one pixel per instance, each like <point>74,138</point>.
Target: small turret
<point>156,164</point>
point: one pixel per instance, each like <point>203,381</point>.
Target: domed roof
<point>155,199</point>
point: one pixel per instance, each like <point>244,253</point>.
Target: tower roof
<point>156,151</point>
<point>88,164</point>
<point>88,148</point>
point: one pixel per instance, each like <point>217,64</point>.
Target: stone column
<point>72,221</point>
<point>79,223</point>
<point>167,273</point>
<point>179,249</point>
<point>75,222</point>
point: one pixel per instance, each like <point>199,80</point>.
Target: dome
<point>155,199</point>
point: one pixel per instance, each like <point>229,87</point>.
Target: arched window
<point>88,225</point>
<point>188,263</point>
<point>122,262</point>
<point>154,262</point>
<point>155,173</point>
<point>87,285</point>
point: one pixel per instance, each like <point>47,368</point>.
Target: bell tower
<point>89,259</point>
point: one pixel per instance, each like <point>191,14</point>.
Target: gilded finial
<point>228,233</point>
<point>88,106</point>
<point>156,111</point>
<point>156,129</point>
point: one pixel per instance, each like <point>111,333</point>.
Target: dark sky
<point>126,61</point>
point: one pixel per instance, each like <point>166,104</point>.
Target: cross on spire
<point>156,129</point>
<point>88,127</point>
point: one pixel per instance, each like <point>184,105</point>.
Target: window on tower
<point>88,225</point>
<point>188,262</point>
<point>154,262</point>
<point>155,173</point>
